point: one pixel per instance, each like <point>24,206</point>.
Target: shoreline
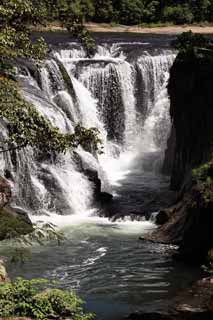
<point>158,30</point>
<point>167,30</point>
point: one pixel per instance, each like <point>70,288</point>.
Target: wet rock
<point>3,273</point>
<point>14,223</point>
<point>5,192</point>
<point>190,90</point>
<point>169,153</point>
<point>162,217</point>
<point>93,177</point>
<point>151,316</point>
<point>195,303</point>
<point>189,226</point>
<point>8,175</point>
<point>186,315</point>
<point>105,197</point>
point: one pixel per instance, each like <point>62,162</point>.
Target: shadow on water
<point>142,191</point>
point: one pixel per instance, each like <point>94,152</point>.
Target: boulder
<point>195,303</point>
<point>14,223</point>
<point>93,177</point>
<point>162,217</point>
<point>105,197</point>
<point>5,192</point>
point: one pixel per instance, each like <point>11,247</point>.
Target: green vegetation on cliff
<point>193,46</point>
<point>27,127</point>
<point>203,177</point>
<point>24,124</point>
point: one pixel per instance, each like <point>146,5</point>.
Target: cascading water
<point>131,115</point>
<point>122,92</point>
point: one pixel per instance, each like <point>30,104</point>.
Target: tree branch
<point>13,148</point>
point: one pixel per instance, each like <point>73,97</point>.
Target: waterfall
<point>125,98</point>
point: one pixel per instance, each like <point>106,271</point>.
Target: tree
<point>201,10</point>
<point>103,10</point>
<point>131,12</point>
<point>24,124</point>
<point>24,298</point>
<point>15,19</point>
<point>190,44</point>
<point>150,11</point>
<point>178,14</point>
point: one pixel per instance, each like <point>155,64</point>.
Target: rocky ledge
<point>13,221</point>
<point>189,158</point>
<point>194,304</point>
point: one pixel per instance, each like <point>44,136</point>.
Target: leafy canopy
<point>24,124</point>
<point>25,298</point>
<point>192,45</point>
<point>27,127</point>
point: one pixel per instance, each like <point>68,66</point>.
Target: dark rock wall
<point>191,94</point>
<point>190,146</point>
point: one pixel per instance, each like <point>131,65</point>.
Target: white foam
<point>90,222</point>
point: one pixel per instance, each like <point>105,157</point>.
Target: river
<point>122,91</point>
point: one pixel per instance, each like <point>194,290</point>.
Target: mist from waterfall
<point>126,99</point>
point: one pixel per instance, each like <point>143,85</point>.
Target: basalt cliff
<point>188,158</point>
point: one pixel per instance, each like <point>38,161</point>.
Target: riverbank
<point>106,28</point>
<point>93,27</point>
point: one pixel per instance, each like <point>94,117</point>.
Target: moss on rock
<point>13,224</point>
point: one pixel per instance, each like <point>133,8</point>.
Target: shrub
<point>24,298</point>
<point>187,42</point>
<point>203,176</point>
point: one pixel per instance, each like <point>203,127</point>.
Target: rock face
<point>191,221</point>
<point>5,192</point>
<point>189,226</point>
<point>162,217</point>
<point>13,222</point>
<point>191,96</point>
<point>99,196</point>
<point>195,303</point>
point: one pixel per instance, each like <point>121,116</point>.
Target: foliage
<point>103,10</point>
<point>24,298</point>
<point>15,18</point>
<point>21,240</point>
<point>72,15</point>
<point>131,12</point>
<point>123,11</point>
<point>204,171</point>
<point>83,34</point>
<point>11,225</point>
<point>126,11</point>
<point>188,42</point>
<point>203,176</point>
<point>179,14</point>
<point>150,11</point>
<point>202,10</point>
<point>26,126</point>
